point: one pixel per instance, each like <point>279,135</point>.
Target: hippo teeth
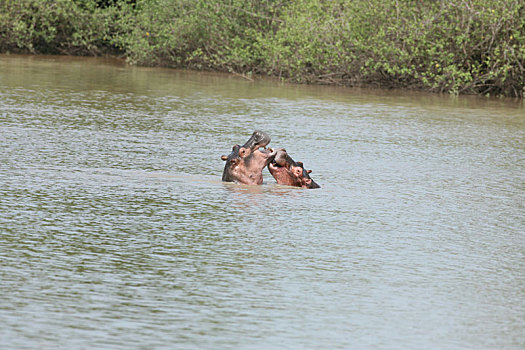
<point>266,150</point>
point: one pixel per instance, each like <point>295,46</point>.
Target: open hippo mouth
<point>259,139</point>
<point>275,167</point>
<point>279,161</point>
<point>267,151</point>
<point>257,143</point>
<point>281,168</point>
<point>267,155</point>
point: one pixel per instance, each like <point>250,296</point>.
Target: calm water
<point>117,233</point>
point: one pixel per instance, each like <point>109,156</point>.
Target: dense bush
<point>222,35</point>
<point>455,46</point>
<point>57,27</point>
<point>475,46</point>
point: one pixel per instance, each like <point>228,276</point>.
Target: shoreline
<point>448,47</point>
<point>254,78</point>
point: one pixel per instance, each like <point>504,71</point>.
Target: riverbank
<point>445,46</point>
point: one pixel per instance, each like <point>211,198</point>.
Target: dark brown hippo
<point>244,165</point>
<point>288,172</point>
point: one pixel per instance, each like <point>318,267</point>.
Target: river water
<point>117,233</point>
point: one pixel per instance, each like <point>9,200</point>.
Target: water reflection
<point>112,208</point>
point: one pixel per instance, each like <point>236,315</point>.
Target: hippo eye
<point>297,171</point>
<point>243,152</point>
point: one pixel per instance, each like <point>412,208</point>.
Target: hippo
<point>244,165</point>
<point>288,172</point>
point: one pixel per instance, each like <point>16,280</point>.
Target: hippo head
<point>288,172</point>
<point>245,163</point>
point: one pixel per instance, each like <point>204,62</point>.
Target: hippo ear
<point>235,146</point>
<point>309,171</point>
<point>224,157</point>
<point>300,164</point>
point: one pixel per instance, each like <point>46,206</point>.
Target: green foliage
<point>197,33</point>
<point>54,26</point>
<point>455,46</point>
<point>474,46</point>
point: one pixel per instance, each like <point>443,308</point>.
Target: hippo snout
<point>259,139</point>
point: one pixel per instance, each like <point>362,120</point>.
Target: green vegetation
<point>454,46</point>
